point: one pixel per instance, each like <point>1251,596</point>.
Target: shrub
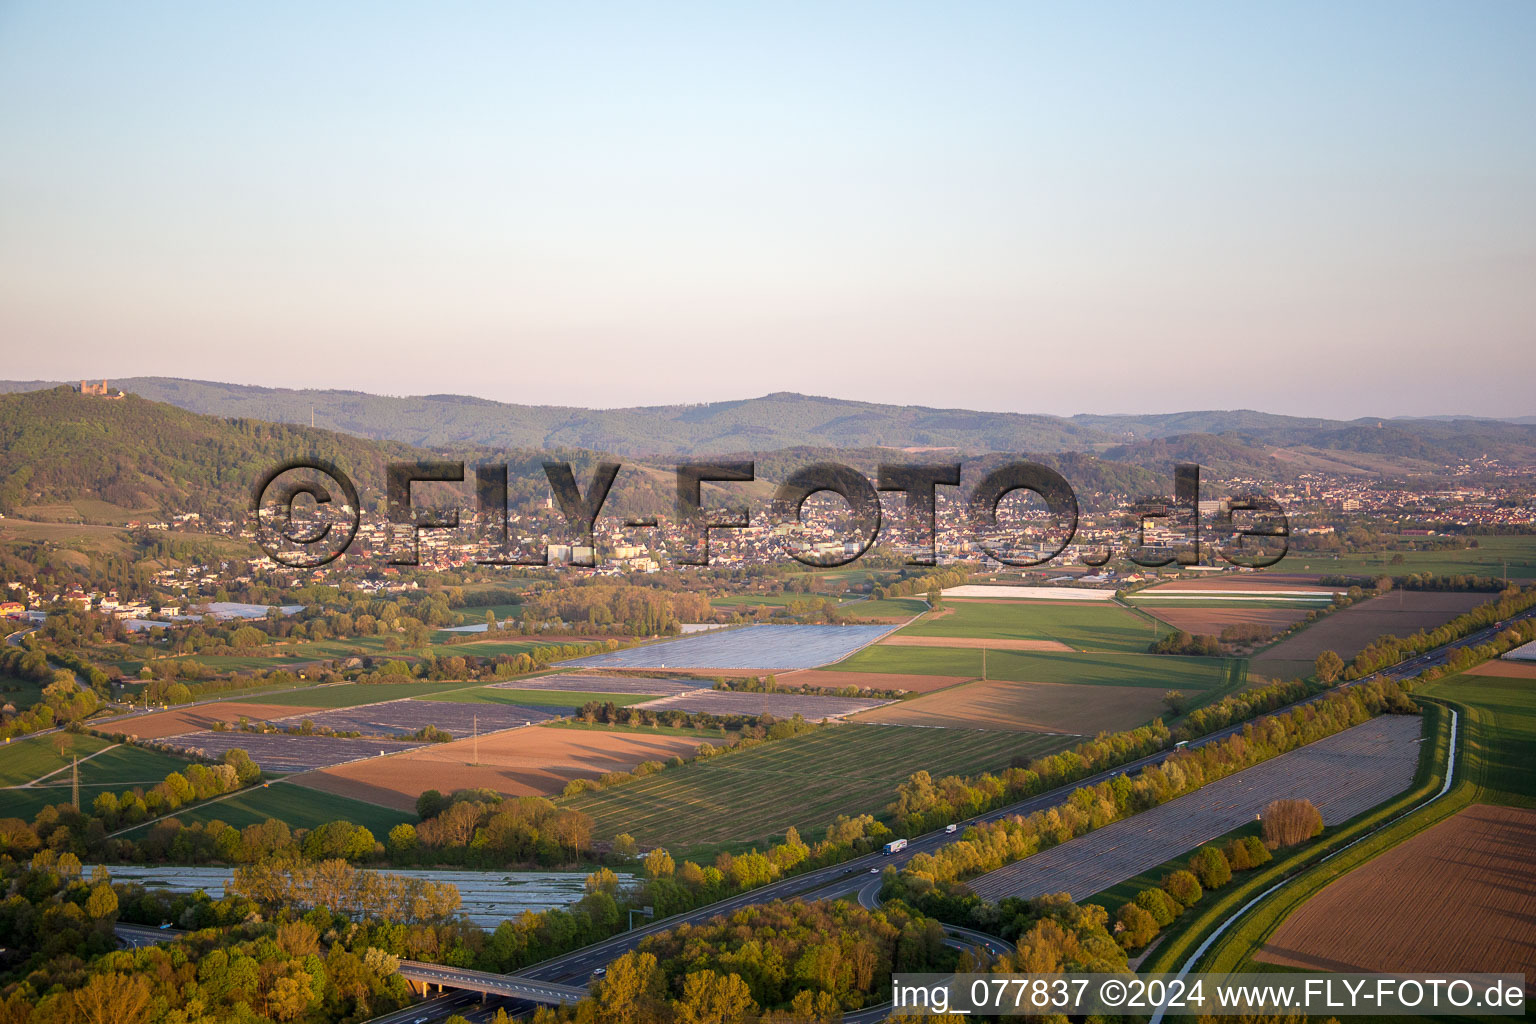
<point>1236,853</point>
<point>1288,822</point>
<point>1258,853</point>
<point>1163,907</point>
<point>1210,866</point>
<point>1134,927</point>
<point>1184,887</point>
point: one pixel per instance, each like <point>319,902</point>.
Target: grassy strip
<point>1234,946</point>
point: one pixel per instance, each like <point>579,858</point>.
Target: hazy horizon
<point>1314,210</point>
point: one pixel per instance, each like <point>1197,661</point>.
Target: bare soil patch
<point>972,641</point>
<point>1003,706</point>
<point>1214,620</point>
<point>1505,669</point>
<point>520,762</point>
<point>1347,633</point>
<point>1457,897</point>
<point>174,723</point>
<point>826,679</point>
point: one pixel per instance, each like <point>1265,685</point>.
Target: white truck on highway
<point>895,846</point>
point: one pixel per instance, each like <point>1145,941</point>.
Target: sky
<point>1312,208</point>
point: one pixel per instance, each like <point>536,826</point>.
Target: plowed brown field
<point>1460,896</point>
<point>1001,706</point>
<point>174,723</point>
<point>536,761</point>
<point>1214,620</point>
<point>1348,632</point>
<point>1505,669</point>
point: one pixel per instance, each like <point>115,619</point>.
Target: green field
<point>1098,669</point>
<point>1487,559</point>
<point>1499,749</point>
<point>19,693</point>
<point>298,806</point>
<point>25,759</point>
<point>806,781</point>
<point>1082,626</point>
<point>889,608</point>
<point>539,698</point>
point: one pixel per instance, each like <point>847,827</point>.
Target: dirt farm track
<point>1460,896</point>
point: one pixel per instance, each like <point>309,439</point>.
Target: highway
<point>137,936</point>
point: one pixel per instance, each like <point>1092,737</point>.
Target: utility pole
<point>74,785</point>
<point>475,726</point>
<point>983,664</point>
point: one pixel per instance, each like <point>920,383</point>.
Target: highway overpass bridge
<point>427,975</point>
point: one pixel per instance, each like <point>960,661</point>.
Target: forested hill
<point>59,446</point>
<point>759,424</point>
<point>786,420</point>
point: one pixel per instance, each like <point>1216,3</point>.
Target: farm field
<point>1487,559</point>
<point>1505,669</point>
<point>298,806</point>
<point>780,705</point>
<point>974,643</point>
<point>805,781</point>
<point>195,719</point>
<point>999,705</point>
<point>578,683</point>
<point>529,762</point>
<point>1500,748</point>
<point>113,769</point>
<point>346,695</point>
<point>1004,591</point>
<point>29,757</point>
<point>1095,669</point>
<point>1344,775</point>
<point>1085,626</point>
<point>279,752</point>
<point>401,718</point>
<point>762,648</point>
<point>549,700</point>
<point>892,608</point>
<point>827,679</point>
<point>1196,618</point>
<point>1473,887</point>
<point>1348,632</point>
<point>1243,584</point>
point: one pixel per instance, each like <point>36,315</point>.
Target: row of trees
<point>1138,921</point>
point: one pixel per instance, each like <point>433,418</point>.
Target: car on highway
<point>874,871</point>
